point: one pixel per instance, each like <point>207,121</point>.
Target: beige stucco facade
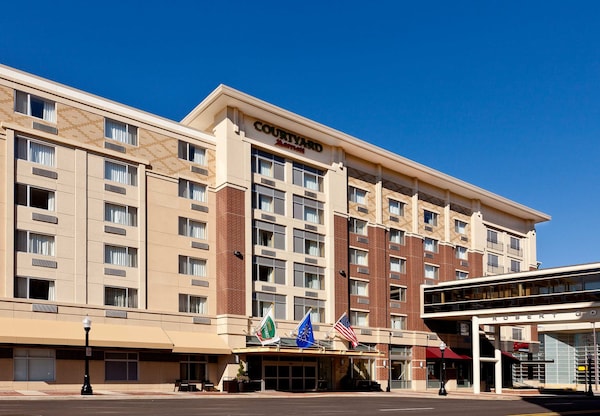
<point>139,233</point>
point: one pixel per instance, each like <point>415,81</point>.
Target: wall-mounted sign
<point>288,140</point>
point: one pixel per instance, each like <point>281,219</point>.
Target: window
<point>398,322</point>
<point>310,277</point>
<point>357,195</point>
<point>35,152</point>
<point>493,264</point>
<point>461,253</point>
<point>515,245</point>
<point>308,177</point>
<point>192,266</point>
<point>268,270</point>
<point>398,293</point>
<point>261,303</point>
<point>359,318</point>
<point>192,190</point>
<point>460,275</point>
<point>460,227</point>
<point>34,364</point>
<point>120,132</point>
<point>192,304</point>
<point>271,235</point>
<point>397,265</point>
<point>269,200</point>
<point>30,242</point>
<point>396,208</point>
<point>492,236</point>
<point>315,306</point>
<point>35,106</point>
<point>195,154</point>
<point>30,288</point>
<point>31,196</point>
<point>120,256</point>
<point>396,236</point>
<point>308,210</point>
<point>430,218</point>
<point>191,228</point>
<point>309,243</point>
<point>430,245</point>
<point>431,271</point>
<point>121,173</point>
<point>358,257</point>
<point>121,366</point>
<point>359,287</point>
<point>267,164</point>
<point>517,334</point>
<point>120,214</point>
<point>358,226</point>
<point>121,297</point>
<point>515,266</point>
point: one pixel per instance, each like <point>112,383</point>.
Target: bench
<point>184,385</point>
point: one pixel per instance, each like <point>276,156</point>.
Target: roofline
<point>512,276</point>
<point>79,96</point>
<point>224,96</point>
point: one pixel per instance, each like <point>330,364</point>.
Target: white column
<point>498,360</point>
<point>476,355</point>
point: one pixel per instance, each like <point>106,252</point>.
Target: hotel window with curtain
<point>308,177</point>
<point>431,271</point>
<point>35,106</point>
<point>430,218</point>
<point>261,302</point>
<point>359,287</point>
<point>35,152</point>
<point>358,257</point>
<point>192,190</point>
<point>121,132</point>
<point>120,296</point>
<point>397,265</point>
<point>430,245</point>
<point>120,172</point>
<point>309,243</point>
<point>308,210</point>
<point>192,153</point>
<point>358,226</point>
<point>34,197</point>
<point>268,199</point>
<point>192,266</point>
<point>398,322</point>
<point>120,214</point>
<point>396,208</point>
<point>267,164</point>
<point>120,256</point>
<point>30,242</point>
<point>191,228</point>
<point>396,236</point>
<point>357,195</point>
<point>303,305</point>
<point>310,277</point>
<point>30,288</point>
<point>359,318</point>
<point>192,304</point>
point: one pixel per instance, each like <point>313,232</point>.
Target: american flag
<point>345,329</point>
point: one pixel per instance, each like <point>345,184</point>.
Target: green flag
<point>267,331</point>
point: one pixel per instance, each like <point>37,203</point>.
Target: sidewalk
<point>119,395</point>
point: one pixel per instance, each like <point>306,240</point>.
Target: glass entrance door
<point>296,376</point>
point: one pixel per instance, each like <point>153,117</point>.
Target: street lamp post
<point>589,374</point>
<point>86,389</point>
<point>389,385</point>
<point>443,391</point>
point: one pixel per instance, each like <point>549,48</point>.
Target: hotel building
<point>175,238</point>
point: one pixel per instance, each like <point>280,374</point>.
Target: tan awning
<point>197,343</point>
<point>49,332</point>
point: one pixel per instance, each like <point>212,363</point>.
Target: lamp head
<point>87,322</point>
<point>442,346</point>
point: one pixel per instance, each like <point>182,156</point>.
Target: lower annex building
<point>175,238</point>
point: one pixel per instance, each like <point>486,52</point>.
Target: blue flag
<point>305,336</point>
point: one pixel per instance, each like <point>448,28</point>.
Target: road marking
<point>406,409</point>
<point>574,412</point>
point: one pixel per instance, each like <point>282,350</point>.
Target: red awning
<point>510,356</point>
<point>434,353</point>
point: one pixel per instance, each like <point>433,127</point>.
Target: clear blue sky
<point>502,94</point>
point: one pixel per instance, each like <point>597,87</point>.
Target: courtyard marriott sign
<point>288,140</point>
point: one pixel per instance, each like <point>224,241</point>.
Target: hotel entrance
<point>285,373</point>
